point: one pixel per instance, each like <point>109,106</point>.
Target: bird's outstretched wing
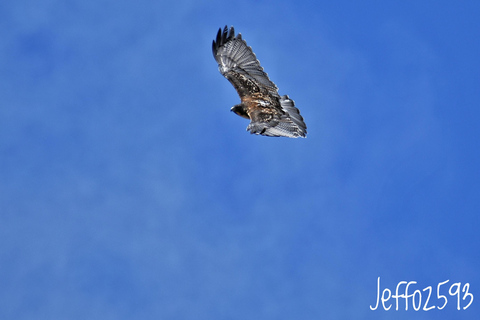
<point>274,123</point>
<point>237,62</point>
<point>270,114</point>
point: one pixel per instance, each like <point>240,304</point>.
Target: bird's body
<point>270,114</point>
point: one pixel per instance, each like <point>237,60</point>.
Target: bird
<point>269,113</point>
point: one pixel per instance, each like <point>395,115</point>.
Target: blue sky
<point>128,190</point>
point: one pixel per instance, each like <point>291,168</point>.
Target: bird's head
<point>240,110</point>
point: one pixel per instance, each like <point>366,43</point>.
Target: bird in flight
<point>270,114</point>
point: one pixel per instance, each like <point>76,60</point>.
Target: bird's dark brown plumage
<point>270,114</point>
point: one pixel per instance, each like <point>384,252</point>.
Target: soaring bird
<point>270,114</point>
